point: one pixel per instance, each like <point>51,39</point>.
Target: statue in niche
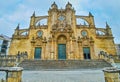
<point>44,39</point>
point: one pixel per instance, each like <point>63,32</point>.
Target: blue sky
<point>13,12</point>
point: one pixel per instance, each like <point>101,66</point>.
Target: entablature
<point>104,37</point>
<point>20,37</point>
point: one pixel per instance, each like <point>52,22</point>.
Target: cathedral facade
<point>65,35</point>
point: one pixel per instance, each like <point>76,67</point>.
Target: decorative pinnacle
<point>69,3</point>
<point>33,13</point>
<point>90,14</point>
<point>18,26</point>
<point>107,26</point>
<point>54,5</point>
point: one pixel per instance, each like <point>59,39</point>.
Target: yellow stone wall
<point>62,31</point>
<point>15,76</point>
<point>111,75</point>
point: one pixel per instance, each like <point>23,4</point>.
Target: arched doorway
<point>86,53</point>
<point>61,47</point>
<point>37,53</point>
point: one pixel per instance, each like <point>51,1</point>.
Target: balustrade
<point>12,60</point>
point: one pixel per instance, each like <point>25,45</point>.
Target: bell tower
<point>61,19</point>
<point>53,13</point>
<point>70,13</point>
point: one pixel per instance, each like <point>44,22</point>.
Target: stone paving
<point>62,76</point>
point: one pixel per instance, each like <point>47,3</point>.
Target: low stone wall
<point>111,74</point>
<point>13,74</point>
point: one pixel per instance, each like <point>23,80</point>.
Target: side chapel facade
<point>62,37</point>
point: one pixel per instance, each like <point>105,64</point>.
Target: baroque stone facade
<point>63,36</point>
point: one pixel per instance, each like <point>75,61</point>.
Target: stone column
<point>92,52</point>
<point>55,50</point>
<point>52,51</point>
<point>32,49</point>
<point>44,51</point>
<point>49,49</point>
<point>81,53</point>
<point>44,48</point>
<point>71,49</point>
<point>79,49</point>
<point>68,49</point>
<point>74,49</point>
<point>111,74</point>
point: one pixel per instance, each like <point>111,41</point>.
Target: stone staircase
<point>63,64</point>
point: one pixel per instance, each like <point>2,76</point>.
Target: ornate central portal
<point>61,51</point>
<point>86,51</point>
<point>37,54</point>
<point>61,46</point>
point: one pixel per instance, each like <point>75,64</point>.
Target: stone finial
<point>90,14</point>
<point>108,30</point>
<point>54,5</point>
<point>18,26</point>
<point>107,26</point>
<point>68,5</point>
<point>33,13</point>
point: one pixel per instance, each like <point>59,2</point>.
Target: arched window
<point>41,22</point>
<point>24,33</point>
<point>80,21</point>
<point>100,33</point>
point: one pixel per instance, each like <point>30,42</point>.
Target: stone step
<point>63,64</point>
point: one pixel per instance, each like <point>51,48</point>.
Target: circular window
<point>84,33</point>
<point>39,33</point>
<point>61,17</point>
